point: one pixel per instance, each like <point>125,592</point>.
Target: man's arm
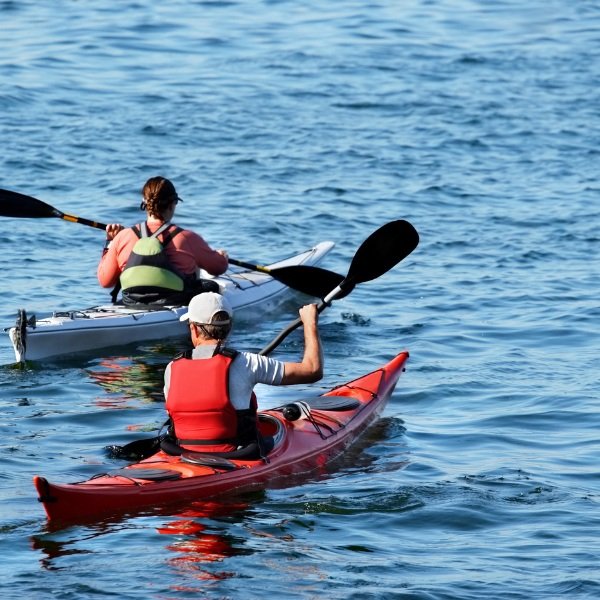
<point>311,367</point>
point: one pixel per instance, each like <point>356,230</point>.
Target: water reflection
<point>197,543</point>
<point>53,550</point>
<point>138,377</point>
<point>196,536</point>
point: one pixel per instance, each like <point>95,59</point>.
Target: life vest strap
<point>230,441</point>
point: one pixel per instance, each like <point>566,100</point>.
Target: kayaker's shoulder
<point>189,354</point>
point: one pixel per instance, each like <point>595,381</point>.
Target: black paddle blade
<point>312,281</point>
<point>136,450</point>
<point>382,250</point>
<point>13,204</point>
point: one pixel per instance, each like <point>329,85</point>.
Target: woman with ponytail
<point>156,262</point>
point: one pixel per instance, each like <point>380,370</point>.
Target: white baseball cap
<point>205,306</point>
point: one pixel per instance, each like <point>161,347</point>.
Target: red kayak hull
<point>302,448</point>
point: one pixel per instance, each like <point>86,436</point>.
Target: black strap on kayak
<point>305,406</point>
<point>305,411</point>
<point>262,450</point>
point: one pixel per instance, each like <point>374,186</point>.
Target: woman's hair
<point>158,193</point>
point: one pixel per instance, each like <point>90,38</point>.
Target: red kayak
<point>306,436</point>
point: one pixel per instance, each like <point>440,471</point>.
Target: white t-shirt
<point>246,370</point>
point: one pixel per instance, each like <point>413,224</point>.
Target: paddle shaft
<point>338,291</point>
<point>250,266</point>
<point>307,279</point>
<point>83,221</point>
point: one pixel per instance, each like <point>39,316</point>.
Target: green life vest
<point>148,275</point>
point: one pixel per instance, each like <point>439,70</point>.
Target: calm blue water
<point>282,124</point>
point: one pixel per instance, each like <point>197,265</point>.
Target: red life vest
<point>204,419</point>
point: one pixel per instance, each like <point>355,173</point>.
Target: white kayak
<point>114,325</point>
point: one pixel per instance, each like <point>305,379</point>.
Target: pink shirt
<point>187,253</point>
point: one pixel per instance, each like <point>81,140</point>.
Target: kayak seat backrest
<point>249,452</point>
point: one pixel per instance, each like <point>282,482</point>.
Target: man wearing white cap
<point>209,394</point>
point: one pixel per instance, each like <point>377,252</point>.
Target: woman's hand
<point>112,229</point>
